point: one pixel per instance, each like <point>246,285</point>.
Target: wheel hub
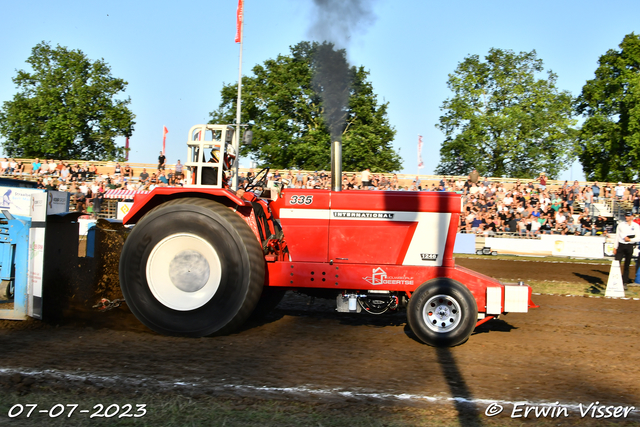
<point>442,313</point>
<point>189,271</point>
<point>183,271</point>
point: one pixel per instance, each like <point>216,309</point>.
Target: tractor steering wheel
<point>259,180</point>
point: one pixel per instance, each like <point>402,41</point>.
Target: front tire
<point>442,312</point>
<point>192,267</point>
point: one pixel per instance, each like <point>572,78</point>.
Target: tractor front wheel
<point>442,312</point>
<point>192,267</point>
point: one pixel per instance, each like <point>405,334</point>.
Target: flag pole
<point>420,162</point>
<point>236,140</point>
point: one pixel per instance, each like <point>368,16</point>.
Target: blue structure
<point>14,262</point>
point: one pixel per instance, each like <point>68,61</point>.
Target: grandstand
<point>610,206</point>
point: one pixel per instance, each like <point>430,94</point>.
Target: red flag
<point>165,131</point>
<point>127,150</point>
<point>239,18</point>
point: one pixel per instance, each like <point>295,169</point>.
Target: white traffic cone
<point>615,287</point>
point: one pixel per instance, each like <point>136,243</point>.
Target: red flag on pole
<point>165,131</point>
<point>239,18</point>
<point>420,163</point>
<point>126,150</point>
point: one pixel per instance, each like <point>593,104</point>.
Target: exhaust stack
<point>336,165</point>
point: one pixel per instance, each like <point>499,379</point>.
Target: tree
<point>505,121</point>
<point>609,139</point>
<point>65,108</point>
<point>291,122</point>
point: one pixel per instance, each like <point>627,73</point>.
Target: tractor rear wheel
<point>192,267</point>
<point>442,312</point>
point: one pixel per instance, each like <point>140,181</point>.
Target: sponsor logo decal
<point>429,257</point>
<point>379,277</point>
<point>374,215</point>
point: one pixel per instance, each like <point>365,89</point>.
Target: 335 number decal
<point>301,200</point>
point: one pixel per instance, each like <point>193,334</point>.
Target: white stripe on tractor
<point>429,238</point>
<point>305,213</point>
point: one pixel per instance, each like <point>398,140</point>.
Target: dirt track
<point>571,350</point>
<point>592,273</point>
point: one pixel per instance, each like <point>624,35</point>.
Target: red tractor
<point>203,258</point>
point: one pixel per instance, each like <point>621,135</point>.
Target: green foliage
<point>285,109</point>
<point>609,140</point>
<point>65,108</point>
<point>504,121</point>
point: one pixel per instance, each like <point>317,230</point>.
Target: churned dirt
<point>571,350</point>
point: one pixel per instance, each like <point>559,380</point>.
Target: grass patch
<point>606,261</point>
<point>573,288</point>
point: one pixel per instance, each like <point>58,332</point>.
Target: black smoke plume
<point>335,22</point>
<point>331,79</point>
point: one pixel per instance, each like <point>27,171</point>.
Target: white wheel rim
<point>183,272</point>
<point>442,313</point>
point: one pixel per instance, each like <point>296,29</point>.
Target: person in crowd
<point>587,197</point>
<point>35,167</point>
<point>585,223</point>
<point>546,223</point>
<point>627,236</point>
<point>51,167</point>
<point>4,166</point>
<point>59,167</point>
<point>171,178</point>
<point>19,168</point>
<point>542,179</point>
<point>619,191</point>
<point>12,166</point>
<point>474,176</point>
<point>595,189</point>
<point>96,203</point>
<point>632,191</point>
<point>179,170</point>
<point>599,226</point>
<point>365,179</point>
<point>161,161</point>
<point>162,179</point>
<point>144,175</point>
<point>93,171</point>
<point>80,200</point>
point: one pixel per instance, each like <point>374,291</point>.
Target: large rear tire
<point>192,267</point>
<point>442,312</point>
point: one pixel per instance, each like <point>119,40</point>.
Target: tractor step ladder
<point>14,261</point>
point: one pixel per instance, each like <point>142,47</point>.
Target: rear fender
<point>492,296</point>
<point>143,203</point>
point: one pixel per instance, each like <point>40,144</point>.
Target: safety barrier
<point>23,223</point>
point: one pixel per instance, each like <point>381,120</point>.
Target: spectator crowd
<point>489,208</point>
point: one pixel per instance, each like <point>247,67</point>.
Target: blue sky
<point>176,56</point>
